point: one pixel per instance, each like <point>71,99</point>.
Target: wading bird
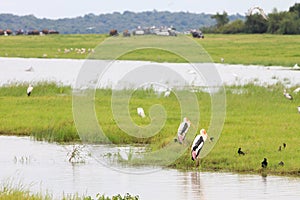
<point>240,152</point>
<point>141,112</point>
<point>198,144</point>
<point>264,163</point>
<point>29,90</point>
<point>183,129</point>
<point>284,145</point>
<point>297,90</point>
<point>167,93</point>
<point>287,95</point>
<point>281,163</point>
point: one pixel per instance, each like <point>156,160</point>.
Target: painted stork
<point>198,144</point>
<point>183,129</point>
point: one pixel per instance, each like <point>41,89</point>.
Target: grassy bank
<point>258,120</point>
<point>258,49</point>
<point>11,193</point>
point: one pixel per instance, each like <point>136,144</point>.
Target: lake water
<point>66,71</point>
<point>44,167</point>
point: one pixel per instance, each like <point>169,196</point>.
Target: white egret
<point>141,112</point>
<point>167,93</point>
<point>297,90</point>
<point>296,67</point>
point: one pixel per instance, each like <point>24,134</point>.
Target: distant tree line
<point>286,22</point>
<point>103,23</point>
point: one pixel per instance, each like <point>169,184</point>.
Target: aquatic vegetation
<point>77,154</point>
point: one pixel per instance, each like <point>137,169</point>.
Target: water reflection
<point>49,170</point>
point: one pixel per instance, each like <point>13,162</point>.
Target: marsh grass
<point>249,49</point>
<point>39,46</point>
<point>258,120</point>
<point>253,49</point>
<point>10,192</point>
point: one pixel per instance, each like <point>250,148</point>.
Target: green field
<point>8,192</point>
<point>258,49</point>
<point>259,121</point>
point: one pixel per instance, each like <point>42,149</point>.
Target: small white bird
<point>222,60</point>
<point>183,129</point>
<point>141,112</point>
<point>29,90</point>
<point>30,69</point>
<point>298,109</point>
<point>287,95</point>
<point>167,93</point>
<point>198,144</point>
<point>296,67</point>
<point>297,90</point>
<point>191,71</point>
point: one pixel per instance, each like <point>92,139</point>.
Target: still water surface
<point>66,71</point>
<point>44,167</point>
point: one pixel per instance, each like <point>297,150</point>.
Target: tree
<point>295,9</point>
<point>256,24</point>
<point>290,25</point>
<point>221,19</point>
<point>274,21</point>
<point>236,26</point>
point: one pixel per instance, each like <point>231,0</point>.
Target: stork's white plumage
<point>298,109</point>
<point>183,129</point>
<point>287,95</point>
<point>29,90</point>
<point>198,144</point>
<point>141,112</point>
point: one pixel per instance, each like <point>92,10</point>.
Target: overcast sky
<point>55,9</point>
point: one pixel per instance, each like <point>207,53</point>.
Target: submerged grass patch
<point>258,119</point>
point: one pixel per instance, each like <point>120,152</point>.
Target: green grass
<point>20,193</point>
<point>259,120</point>
<point>257,49</point>
<point>48,46</point>
<point>254,49</point>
